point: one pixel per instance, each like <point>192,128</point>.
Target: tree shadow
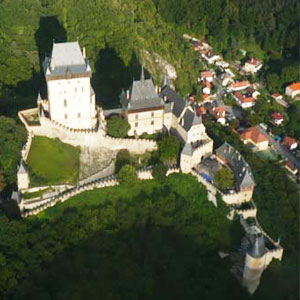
<point>24,94</point>
<point>112,75</point>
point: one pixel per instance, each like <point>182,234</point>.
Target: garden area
<point>52,162</point>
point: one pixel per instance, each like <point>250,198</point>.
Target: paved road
<point>281,150</point>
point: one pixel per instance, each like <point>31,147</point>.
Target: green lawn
<point>52,162</point>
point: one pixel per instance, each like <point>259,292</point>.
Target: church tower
<point>70,94</point>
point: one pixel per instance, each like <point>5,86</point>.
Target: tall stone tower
<point>255,263</point>
<point>70,94</point>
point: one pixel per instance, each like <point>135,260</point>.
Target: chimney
<point>127,94</point>
<point>156,89</point>
<point>83,52</point>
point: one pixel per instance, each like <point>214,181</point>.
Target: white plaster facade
<point>70,94</point>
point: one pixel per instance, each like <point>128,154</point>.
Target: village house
<point>253,136</point>
<point>290,167</point>
<point>279,99</point>
<point>223,64</point>
<point>211,57</point>
<point>238,86</point>
<point>71,99</point>
<point>218,113</point>
<point>207,76</point>
<point>226,79</point>
<point>290,143</point>
<point>245,100</point>
<point>253,65</point>
<point>207,88</point>
<point>277,118</point>
<point>293,89</point>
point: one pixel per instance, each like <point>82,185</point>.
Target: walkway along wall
<point>87,138</point>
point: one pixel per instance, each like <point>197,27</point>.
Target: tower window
<point>66,116</point>
<point>152,122</point>
<point>136,117</point>
<point>82,89</point>
<point>79,115</point>
<point>136,124</point>
<point>152,114</point>
<point>65,103</point>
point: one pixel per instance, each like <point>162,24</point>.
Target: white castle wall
<point>87,137</point>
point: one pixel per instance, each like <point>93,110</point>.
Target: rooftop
<point>295,86</point>
<point>254,135</point>
<point>241,169</point>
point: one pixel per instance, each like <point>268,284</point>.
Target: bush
<point>168,149</point>
<point>127,175</point>
<point>224,178</point>
<point>123,158</point>
<point>117,127</point>
<point>159,171</point>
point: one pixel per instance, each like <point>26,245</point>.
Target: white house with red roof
<point>244,100</point>
<point>253,136</point>
<point>207,76</point>
<point>293,89</point>
<point>238,86</point>
<point>289,142</point>
<point>279,99</point>
<point>290,167</point>
<point>226,79</point>
<point>218,112</point>
<point>207,88</point>
<point>277,118</point>
<point>253,65</point>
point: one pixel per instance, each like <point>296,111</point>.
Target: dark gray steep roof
<point>172,96</point>
<point>241,169</point>
<point>187,149</point>
<point>142,94</point>
<point>257,248</point>
<point>190,119</point>
<point>66,58</point>
<point>166,81</point>
<point>168,107</point>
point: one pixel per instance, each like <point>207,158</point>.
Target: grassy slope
<point>52,162</point>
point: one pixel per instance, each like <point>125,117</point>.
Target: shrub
<point>117,127</point>
<point>127,175</point>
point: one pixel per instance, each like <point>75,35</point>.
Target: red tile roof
<point>206,74</point>
<point>288,164</point>
<point>288,141</point>
<point>277,116</point>
<point>276,95</point>
<point>218,111</point>
<point>205,96</point>
<point>295,86</point>
<point>201,110</point>
<point>254,135</point>
<point>239,84</point>
<point>254,61</point>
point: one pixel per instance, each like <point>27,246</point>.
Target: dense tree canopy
<point>224,178</point>
<point>127,175</point>
<point>168,148</point>
<point>117,127</point>
<point>12,138</point>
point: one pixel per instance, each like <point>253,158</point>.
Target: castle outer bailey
<point>69,112</point>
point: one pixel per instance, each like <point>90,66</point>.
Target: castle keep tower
<point>70,94</point>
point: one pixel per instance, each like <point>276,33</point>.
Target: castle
<point>70,113</point>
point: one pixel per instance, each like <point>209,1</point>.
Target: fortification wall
<point>86,137</point>
<point>26,147</point>
<point>247,213</point>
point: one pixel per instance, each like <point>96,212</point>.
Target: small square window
<point>136,117</point>
<point>66,116</point>
<point>65,103</point>
<point>79,115</point>
<point>136,124</point>
<point>152,114</point>
<point>152,122</point>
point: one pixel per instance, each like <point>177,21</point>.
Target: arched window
<point>65,103</point>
